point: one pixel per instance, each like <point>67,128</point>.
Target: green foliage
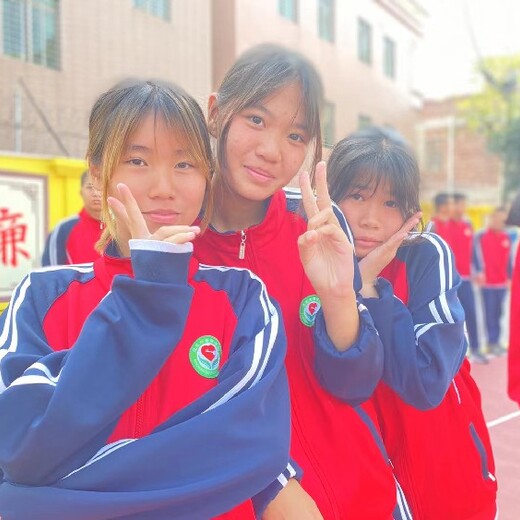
<point>495,112</point>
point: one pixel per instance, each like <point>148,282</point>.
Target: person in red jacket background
<point>442,216</point>
<point>460,240</point>
<point>73,240</point>
<point>492,257</point>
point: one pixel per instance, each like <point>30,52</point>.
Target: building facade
<point>363,49</point>
<point>454,158</point>
<point>57,56</point>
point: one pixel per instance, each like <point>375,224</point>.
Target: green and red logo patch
<point>205,356</point>
<point>308,310</point>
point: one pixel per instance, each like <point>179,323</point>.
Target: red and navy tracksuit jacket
<point>338,446</point>
<point>514,335</point>
<point>436,436</point>
<point>151,388</point>
<point>73,241</point>
<point>462,246</point>
<point>493,257</point>
<point>443,228</point>
<point>459,236</point>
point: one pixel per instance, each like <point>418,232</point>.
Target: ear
<point>212,114</point>
<point>95,175</point>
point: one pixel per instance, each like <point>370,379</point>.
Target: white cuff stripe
<point>159,245</point>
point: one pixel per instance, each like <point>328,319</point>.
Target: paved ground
<point>503,418</point>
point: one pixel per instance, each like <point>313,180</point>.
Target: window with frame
<point>30,31</point>
<point>158,8</point>
<point>328,122</point>
<point>364,41</point>
<point>389,57</point>
<point>288,9</point>
<point>434,154</point>
<point>326,20</point>
<point>364,121</point>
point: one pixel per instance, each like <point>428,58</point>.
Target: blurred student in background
<point>73,239</point>
<point>492,256</point>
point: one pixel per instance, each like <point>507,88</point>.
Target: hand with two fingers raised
<point>328,260</point>
<point>131,223</point>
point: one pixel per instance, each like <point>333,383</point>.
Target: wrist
<point>369,288</point>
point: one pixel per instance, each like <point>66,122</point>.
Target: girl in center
<point>265,118</point>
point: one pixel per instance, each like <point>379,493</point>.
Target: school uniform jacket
<point>442,456</point>
<point>338,446</point>
<point>144,389</point>
<point>493,257</point>
<point>443,228</point>
<point>513,356</point>
<point>73,241</point>
<point>462,246</point>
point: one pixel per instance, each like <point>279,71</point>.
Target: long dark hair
<point>371,156</point>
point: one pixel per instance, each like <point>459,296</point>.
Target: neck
<point>233,212</point>
<point>94,214</point>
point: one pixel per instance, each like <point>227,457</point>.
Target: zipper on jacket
<point>242,250</point>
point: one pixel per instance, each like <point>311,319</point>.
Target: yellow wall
<point>477,214</point>
<point>63,182</point>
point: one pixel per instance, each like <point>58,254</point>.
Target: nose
<point>370,218</point>
<point>269,146</point>
<point>162,184</point>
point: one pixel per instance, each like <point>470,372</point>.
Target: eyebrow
<point>388,193</point>
<point>301,126</point>
<point>137,148</point>
<point>145,149</point>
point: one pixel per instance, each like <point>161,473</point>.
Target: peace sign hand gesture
<point>131,223</point>
<point>328,260</point>
<point>325,251</point>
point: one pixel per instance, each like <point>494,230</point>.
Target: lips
<point>259,174</point>
<point>367,241</point>
<point>162,216</point>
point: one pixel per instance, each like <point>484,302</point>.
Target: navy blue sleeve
<point>261,500</point>
<point>424,341</point>
<point>352,375</point>
<point>194,465</point>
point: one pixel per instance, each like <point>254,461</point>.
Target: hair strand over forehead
<point>259,73</point>
<point>369,157</point>
<point>116,115</point>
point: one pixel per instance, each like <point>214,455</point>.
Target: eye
<point>297,138</point>
<point>355,196</point>
<point>256,120</point>
<point>391,204</point>
<point>184,165</point>
<point>136,162</point>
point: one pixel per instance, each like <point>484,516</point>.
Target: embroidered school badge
<point>308,309</point>
<point>205,356</point>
